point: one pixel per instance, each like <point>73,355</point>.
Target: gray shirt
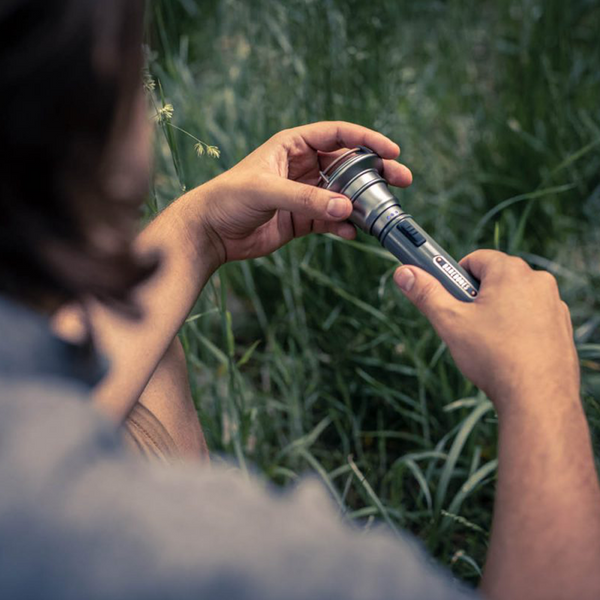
<point>81,519</point>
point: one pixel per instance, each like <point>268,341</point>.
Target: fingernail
<point>405,279</point>
<point>337,207</point>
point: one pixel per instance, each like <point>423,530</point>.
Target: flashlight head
<point>358,175</point>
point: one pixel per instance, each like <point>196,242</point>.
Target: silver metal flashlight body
<point>358,175</point>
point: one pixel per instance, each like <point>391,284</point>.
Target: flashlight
<point>358,175</point>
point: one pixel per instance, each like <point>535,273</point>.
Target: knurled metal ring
<point>324,175</point>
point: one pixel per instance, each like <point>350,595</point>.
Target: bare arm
<point>136,347</point>
<point>251,210</point>
<point>546,530</point>
<point>516,344</point>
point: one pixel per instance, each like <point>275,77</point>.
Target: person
<point>81,514</point>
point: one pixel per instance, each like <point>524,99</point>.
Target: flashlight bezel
<point>343,170</point>
<point>353,176</point>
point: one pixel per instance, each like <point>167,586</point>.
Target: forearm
<point>134,349</point>
<point>546,530</point>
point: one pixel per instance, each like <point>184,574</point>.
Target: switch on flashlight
<point>411,233</point>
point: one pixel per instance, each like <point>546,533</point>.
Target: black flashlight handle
<point>412,245</point>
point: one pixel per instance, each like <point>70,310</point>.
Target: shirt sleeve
<point>83,519</point>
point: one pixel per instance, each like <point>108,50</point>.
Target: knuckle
<point>286,138</point>
<point>518,264</point>
<point>548,279</point>
<point>490,259</point>
<point>498,262</point>
<point>487,255</point>
<point>307,197</point>
<point>284,133</point>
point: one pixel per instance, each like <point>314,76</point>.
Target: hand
<point>270,197</point>
<point>515,338</point>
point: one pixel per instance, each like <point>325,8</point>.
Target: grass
<point>309,361</point>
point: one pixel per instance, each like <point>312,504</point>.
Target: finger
<point>326,158</point>
<point>396,173</point>
<point>483,262</point>
<point>343,229</point>
<point>323,226</point>
<point>331,135</point>
<point>305,200</point>
<point>427,294</point>
<point>302,225</point>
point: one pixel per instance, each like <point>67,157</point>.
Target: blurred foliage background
<point>309,361</point>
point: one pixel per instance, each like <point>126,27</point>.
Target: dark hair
<point>70,80</point>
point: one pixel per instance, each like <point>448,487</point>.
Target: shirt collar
<point>29,348</point>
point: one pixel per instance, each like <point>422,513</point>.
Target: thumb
<point>425,292</point>
<point>306,200</point>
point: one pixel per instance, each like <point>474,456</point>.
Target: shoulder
<point>45,422</point>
